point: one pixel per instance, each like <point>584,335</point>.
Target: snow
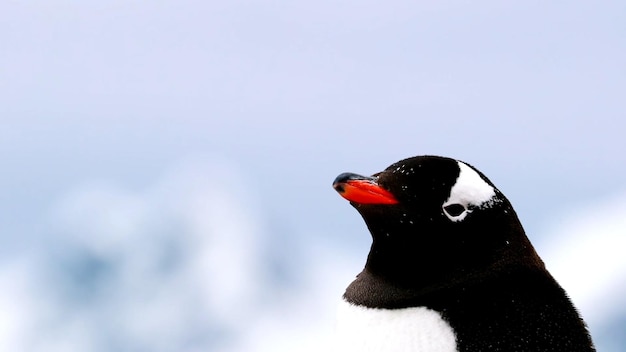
<point>181,266</point>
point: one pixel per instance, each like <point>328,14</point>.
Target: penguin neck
<point>399,271</point>
<point>402,265</point>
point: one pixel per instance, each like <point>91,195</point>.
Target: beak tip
<point>345,177</point>
<point>338,186</point>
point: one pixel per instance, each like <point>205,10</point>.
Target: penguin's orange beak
<point>362,189</point>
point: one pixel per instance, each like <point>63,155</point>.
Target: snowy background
<point>166,166</point>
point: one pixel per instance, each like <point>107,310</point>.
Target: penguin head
<point>434,220</point>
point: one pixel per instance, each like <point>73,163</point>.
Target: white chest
<point>392,330</point>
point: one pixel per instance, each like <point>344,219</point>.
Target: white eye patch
<point>469,191</point>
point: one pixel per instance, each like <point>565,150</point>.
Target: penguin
<point>450,268</point>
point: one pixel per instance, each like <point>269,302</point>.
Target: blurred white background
<point>166,166</point>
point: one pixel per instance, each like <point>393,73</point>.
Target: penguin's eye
<point>455,211</point>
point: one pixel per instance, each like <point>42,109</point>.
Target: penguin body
<point>409,329</point>
<point>450,268</point>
